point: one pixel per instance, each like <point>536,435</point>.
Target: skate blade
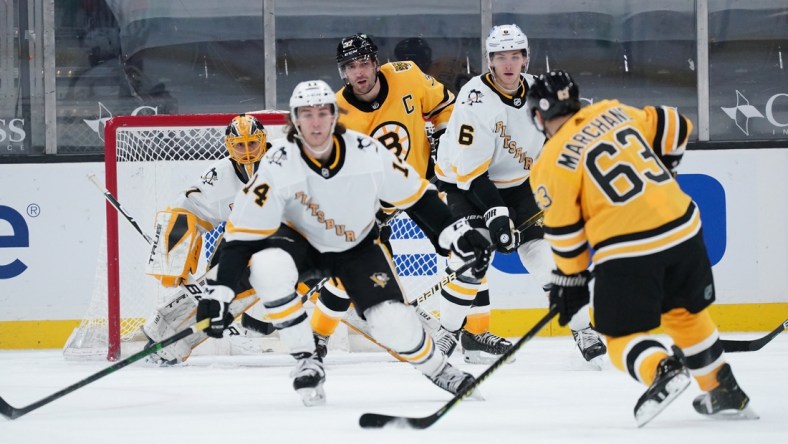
<point>598,363</point>
<point>735,415</point>
<point>483,358</point>
<point>312,396</point>
<point>651,408</point>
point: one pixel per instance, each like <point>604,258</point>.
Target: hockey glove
<point>502,231</point>
<point>468,244</point>
<point>215,306</point>
<point>569,294</point>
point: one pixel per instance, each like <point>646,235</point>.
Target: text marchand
<point>573,150</point>
<point>318,214</point>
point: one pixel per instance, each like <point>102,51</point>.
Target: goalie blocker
<point>175,251</point>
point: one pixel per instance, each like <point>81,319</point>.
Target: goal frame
<point>111,183</point>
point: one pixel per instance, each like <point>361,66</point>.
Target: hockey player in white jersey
<point>177,242</point>
<point>484,162</point>
<point>319,188</point>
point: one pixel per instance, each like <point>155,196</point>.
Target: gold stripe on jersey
<point>515,181</point>
<point>404,203</point>
<point>230,228</point>
<point>473,174</point>
<point>651,241</point>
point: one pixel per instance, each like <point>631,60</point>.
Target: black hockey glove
<point>569,293</point>
<point>468,244</point>
<point>502,231</point>
<point>213,306</point>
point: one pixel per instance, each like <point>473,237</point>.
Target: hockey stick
<point>114,202</point>
<point>734,346</point>
<point>11,412</point>
<point>376,420</point>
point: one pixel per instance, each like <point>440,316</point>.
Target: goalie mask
<point>246,141</point>
<point>506,38</point>
<point>553,94</point>
<point>355,47</point>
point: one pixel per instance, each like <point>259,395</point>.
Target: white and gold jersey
<point>602,184</point>
<point>332,205</point>
<point>210,198</point>
<point>489,132</point>
<point>396,118</point>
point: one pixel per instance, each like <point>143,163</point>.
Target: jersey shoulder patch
<point>401,66</point>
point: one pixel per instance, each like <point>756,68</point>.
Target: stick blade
<point>8,411</point>
<point>378,421</point>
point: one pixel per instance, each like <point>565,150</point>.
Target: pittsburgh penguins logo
<point>475,96</point>
<point>278,157</point>
<point>380,279</point>
<point>210,177</point>
<point>394,136</point>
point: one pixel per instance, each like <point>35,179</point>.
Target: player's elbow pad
<point>176,248</point>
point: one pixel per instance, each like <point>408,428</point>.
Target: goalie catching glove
<point>467,243</point>
<point>569,293</point>
<point>175,251</point>
<point>214,305</point>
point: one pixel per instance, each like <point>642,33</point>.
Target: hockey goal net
<point>148,160</point>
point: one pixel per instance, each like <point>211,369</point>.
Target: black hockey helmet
<point>553,94</point>
<point>355,47</point>
<point>416,50</point>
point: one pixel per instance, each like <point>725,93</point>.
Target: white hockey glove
<point>467,243</point>
<point>214,305</point>
<point>175,251</point>
<point>501,227</point>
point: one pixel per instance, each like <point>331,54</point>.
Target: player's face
<point>246,152</point>
<point>507,66</point>
<point>316,124</point>
<point>361,73</point>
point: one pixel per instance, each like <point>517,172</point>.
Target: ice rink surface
<point>549,395</point>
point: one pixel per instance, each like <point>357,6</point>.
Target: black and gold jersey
<point>602,181</point>
<point>408,98</point>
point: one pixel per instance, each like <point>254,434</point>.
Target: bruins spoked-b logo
<point>380,279</point>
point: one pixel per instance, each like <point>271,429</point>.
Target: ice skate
<point>445,341</point>
<point>727,401</point>
<point>672,378</point>
<point>591,346</point>
<point>453,380</point>
<point>321,345</point>
<point>309,377</point>
<point>485,348</point>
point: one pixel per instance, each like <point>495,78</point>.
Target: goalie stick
<point>734,346</point>
<point>11,412</point>
<point>376,420</point>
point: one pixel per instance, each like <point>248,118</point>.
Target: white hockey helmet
<point>312,93</point>
<point>506,38</point>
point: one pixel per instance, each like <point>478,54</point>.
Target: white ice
<point>548,395</point>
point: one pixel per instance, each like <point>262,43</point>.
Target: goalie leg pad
<point>175,251</point>
<point>397,326</point>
